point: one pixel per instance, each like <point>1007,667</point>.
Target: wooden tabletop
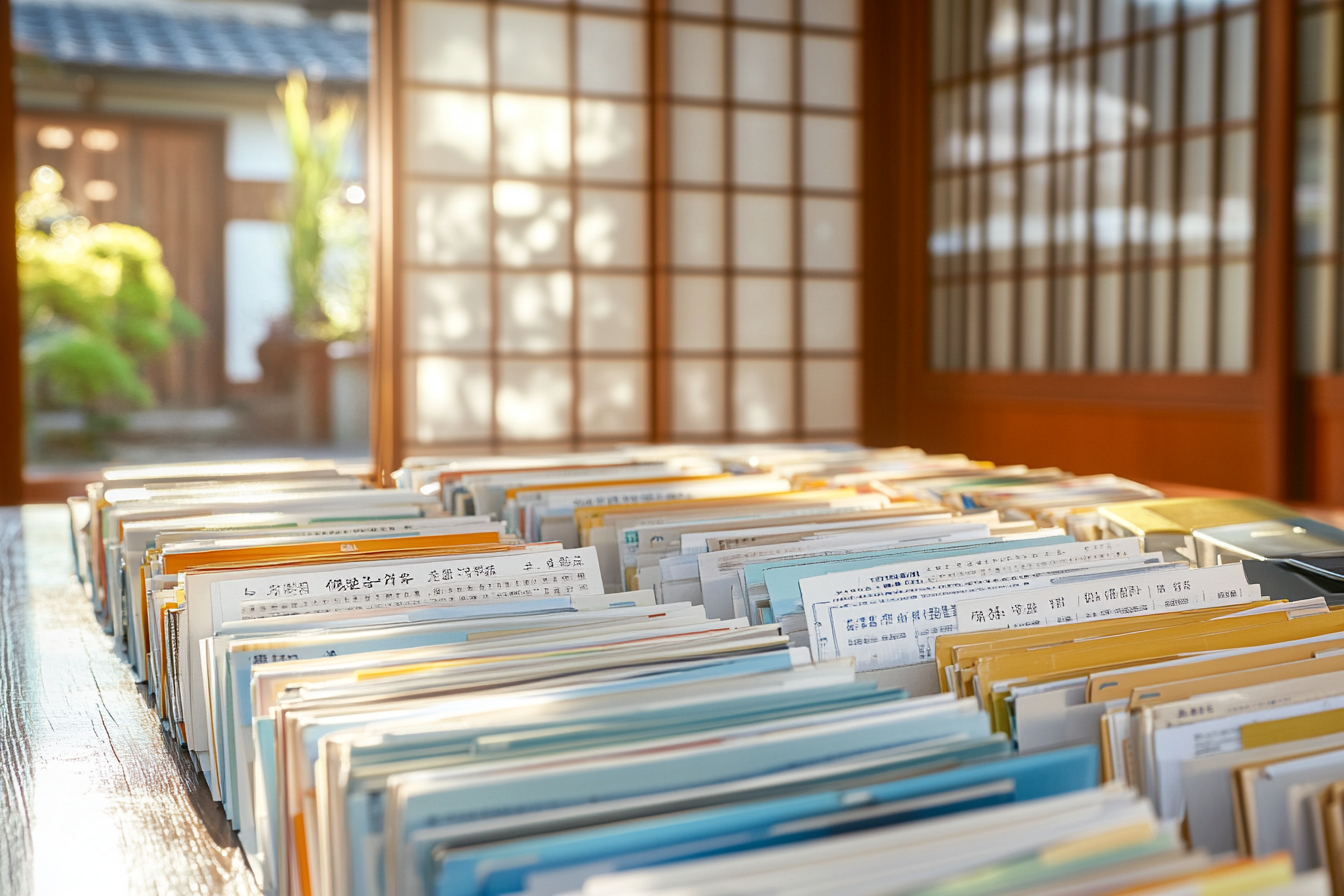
<point>94,798</point>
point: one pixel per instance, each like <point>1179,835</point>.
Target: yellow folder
<point>1264,734</point>
<point>311,551</point>
<point>1190,687</point>
<point>1113,685</point>
<point>963,649</point>
<point>1139,647</point>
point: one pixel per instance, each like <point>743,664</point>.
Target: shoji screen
<point>1318,185</point>
<point>1320,324</point>
<point>614,220</point>
<point>762,183</point>
<point>1089,210</point>
<point>524,222</point>
<point>1092,194</point>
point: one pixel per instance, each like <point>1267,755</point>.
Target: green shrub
<point>96,304</point>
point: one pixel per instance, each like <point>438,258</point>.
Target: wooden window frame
<point>387,178</point>
<point>728,189</point>
<point>970,275</point>
<point>1053,418</point>
<point>387,370</point>
<point>573,183</point>
<point>1319,398</point>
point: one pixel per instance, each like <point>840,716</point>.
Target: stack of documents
<point>731,669</point>
<point>1298,555</point>
<point>1089,842</point>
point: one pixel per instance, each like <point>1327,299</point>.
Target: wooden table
<point>95,800</point>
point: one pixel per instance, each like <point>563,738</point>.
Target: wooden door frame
<point>907,402</point>
<point>385,331</point>
<point>11,326</point>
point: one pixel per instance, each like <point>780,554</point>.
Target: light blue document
<point>427,799</point>
<point>264,842</point>
<point>568,724</point>
<point>506,867</point>
<point>444,625</point>
<point>363,799</point>
<point>781,577</point>
<point>864,770</point>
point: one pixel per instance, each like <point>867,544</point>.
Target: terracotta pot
<point>312,388</point>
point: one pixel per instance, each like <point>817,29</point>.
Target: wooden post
<point>11,371</point>
<point>385,370</point>
<point>1274,330</point>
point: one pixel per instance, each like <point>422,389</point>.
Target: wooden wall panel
<point>254,200</point>
<point>895,217</point>
<point>1275,354</point>
<point>1323,415</point>
<point>1106,439</point>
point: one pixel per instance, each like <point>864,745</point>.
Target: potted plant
<point>328,259</point>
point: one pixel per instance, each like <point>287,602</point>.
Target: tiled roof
<point>172,38</point>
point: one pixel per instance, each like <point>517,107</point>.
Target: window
<point>525,151</point>
<point>615,225</point>
<point>1092,195</point>
<point>1317,197</point>
<point>763,184</point>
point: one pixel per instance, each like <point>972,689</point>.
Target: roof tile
<point>186,41</point>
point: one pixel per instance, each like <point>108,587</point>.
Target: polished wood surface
<point>94,798</point>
